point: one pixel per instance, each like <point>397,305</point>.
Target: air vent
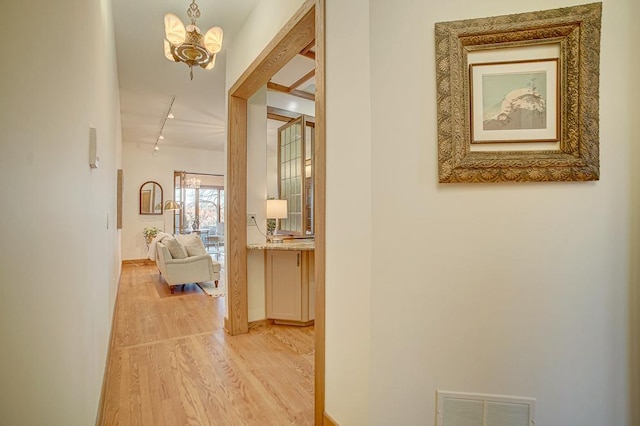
<point>470,409</point>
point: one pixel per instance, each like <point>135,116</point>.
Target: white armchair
<point>194,268</point>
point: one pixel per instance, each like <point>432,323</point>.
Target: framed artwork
<point>514,101</point>
<point>517,97</point>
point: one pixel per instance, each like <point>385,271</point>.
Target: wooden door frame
<point>304,26</point>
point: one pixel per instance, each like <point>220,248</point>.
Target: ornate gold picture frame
<point>517,97</point>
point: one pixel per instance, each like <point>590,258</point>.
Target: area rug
<point>210,288</point>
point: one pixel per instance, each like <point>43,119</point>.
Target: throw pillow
<point>193,244</point>
<point>177,251</point>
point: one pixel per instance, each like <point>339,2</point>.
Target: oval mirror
<point>151,198</point>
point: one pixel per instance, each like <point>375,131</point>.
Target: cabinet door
<point>311,287</point>
<point>284,285</point>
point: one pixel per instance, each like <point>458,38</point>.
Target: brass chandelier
<point>187,44</point>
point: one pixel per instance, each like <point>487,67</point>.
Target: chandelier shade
<point>174,29</point>
<point>213,39</point>
<point>187,44</point>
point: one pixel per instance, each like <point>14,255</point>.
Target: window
<point>202,200</point>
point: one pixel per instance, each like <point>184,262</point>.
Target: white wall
<point>256,200</point>
<point>634,288</point>
<point>264,22</point>
<point>257,163</point>
<point>348,213</point>
<point>139,166</point>
<point>60,260</point>
<point>516,289</point>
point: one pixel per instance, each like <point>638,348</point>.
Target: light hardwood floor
<point>172,363</point>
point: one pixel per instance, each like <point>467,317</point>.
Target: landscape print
<point>514,101</point>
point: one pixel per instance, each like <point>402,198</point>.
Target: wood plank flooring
<point>172,363</point>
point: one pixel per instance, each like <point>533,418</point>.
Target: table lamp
<point>276,209</point>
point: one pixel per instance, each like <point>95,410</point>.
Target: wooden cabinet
<point>290,286</point>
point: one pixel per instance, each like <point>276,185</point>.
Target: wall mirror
<point>151,198</point>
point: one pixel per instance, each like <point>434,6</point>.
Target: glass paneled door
<point>202,203</point>
<point>210,210</point>
<point>203,207</point>
<point>295,175</point>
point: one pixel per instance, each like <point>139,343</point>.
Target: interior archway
<point>306,24</point>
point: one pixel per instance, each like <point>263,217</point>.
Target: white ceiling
<point>148,81</point>
<point>296,68</point>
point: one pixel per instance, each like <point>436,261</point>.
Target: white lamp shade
<point>211,64</point>
<point>174,29</point>
<point>276,209</point>
<point>213,39</point>
<point>167,51</point>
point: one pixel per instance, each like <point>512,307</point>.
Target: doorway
<point>306,24</point>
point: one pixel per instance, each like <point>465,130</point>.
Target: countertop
<point>286,245</point>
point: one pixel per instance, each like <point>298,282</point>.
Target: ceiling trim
<point>308,47</point>
<point>308,76</point>
<point>280,114</point>
<point>310,55</point>
<point>290,91</point>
